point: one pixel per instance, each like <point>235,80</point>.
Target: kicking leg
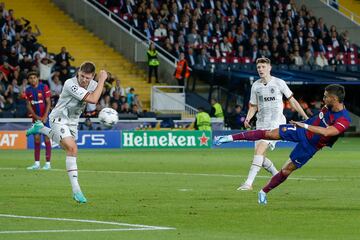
<point>252,135</point>
<point>276,180</point>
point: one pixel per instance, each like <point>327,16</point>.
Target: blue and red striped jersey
<point>37,98</point>
<point>340,120</point>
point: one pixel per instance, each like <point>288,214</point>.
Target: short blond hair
<point>263,60</point>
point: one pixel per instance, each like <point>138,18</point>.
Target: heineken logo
<point>166,139</point>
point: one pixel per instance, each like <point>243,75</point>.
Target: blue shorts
<point>303,151</point>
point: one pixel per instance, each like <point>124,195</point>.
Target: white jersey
<point>70,104</point>
<point>269,100</point>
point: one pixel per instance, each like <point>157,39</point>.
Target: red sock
<point>37,151</point>
<point>275,181</point>
<point>48,150</point>
<point>250,135</point>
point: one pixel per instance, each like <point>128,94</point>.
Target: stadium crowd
<point>20,53</point>
<point>238,31</point>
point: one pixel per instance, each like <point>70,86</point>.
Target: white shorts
<point>64,130</point>
<point>271,143</point>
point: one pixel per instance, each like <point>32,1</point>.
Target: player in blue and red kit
<point>312,135</point>
<point>38,105</point>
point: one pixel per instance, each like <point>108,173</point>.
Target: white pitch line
<point>82,230</point>
<point>311,178</point>
<point>135,226</point>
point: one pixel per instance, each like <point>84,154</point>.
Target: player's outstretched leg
<point>35,128</point>
<point>218,140</point>
<point>262,199</point>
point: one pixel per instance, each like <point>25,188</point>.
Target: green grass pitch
<point>192,192</point>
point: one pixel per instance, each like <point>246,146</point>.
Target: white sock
<point>269,166</point>
<point>37,163</point>
<point>254,169</point>
<point>51,134</point>
<point>72,171</point>
<point>47,163</point>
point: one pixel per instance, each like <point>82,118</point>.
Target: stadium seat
<point>305,68</point>
<point>341,68</point>
<point>352,68</point>
<point>247,66</point>
<point>315,67</point>
<point>294,67</point>
<point>328,68</point>
<point>127,116</point>
<point>283,67</point>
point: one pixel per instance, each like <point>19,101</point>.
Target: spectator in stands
<point>153,62</point>
<point>46,65</point>
<point>336,60</point>
<point>6,68</point>
<point>182,71</point>
<point>225,46</point>
<point>105,102</point>
<point>265,52</point>
<point>137,102</point>
<point>236,118</point>
<point>298,59</point>
<point>130,96</point>
<point>40,53</point>
<point>7,32</point>
<point>64,70</point>
<point>321,60</point>
<point>147,31</point>
<point>4,48</point>
<point>115,106</point>
<point>193,39</point>
<point>13,58</point>
<point>135,110</point>
<point>55,87</point>
<point>308,58</point>
<point>216,109</point>
<point>64,56</point>
<point>320,47</point>
<point>161,31</point>
<point>202,59</point>
<point>87,125</point>
<point>117,88</point>
<point>345,46</point>
<point>125,108</point>
<point>190,57</point>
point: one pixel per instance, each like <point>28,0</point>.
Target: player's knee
<point>71,150</point>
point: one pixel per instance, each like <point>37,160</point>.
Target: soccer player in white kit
<point>266,99</point>
<point>64,118</point>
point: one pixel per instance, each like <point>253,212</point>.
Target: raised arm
<point>95,95</point>
<point>296,105</point>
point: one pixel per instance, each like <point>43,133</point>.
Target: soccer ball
<point>108,117</point>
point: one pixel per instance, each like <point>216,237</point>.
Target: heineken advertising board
<point>166,139</point>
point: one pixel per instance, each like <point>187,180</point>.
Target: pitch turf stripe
<point>132,226</point>
<point>82,230</point>
<point>311,178</point>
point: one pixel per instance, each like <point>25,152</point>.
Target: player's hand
<point>44,119</point>
<point>102,75</point>
<point>298,124</point>
<point>247,123</point>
